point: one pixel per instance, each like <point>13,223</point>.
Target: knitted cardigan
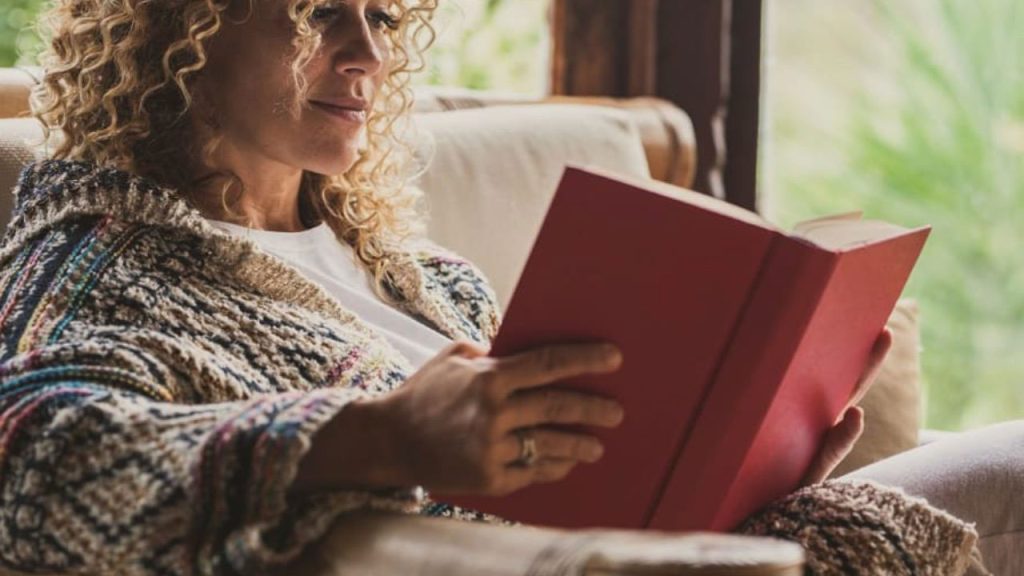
<point>161,379</point>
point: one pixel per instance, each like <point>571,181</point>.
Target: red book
<point>742,344</point>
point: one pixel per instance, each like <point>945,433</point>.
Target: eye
<point>323,14</point>
<point>379,19</point>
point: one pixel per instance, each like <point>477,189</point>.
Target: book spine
<point>753,367</point>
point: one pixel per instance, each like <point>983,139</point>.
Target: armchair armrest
<point>374,543</point>
<point>928,435</point>
<point>15,87</point>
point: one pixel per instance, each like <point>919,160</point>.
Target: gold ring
<point>527,449</point>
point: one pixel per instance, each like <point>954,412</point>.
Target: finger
<point>516,478</point>
<point>547,470</point>
<point>552,470</point>
<point>838,443</point>
<point>557,362</point>
<point>457,349</point>
<point>553,444</point>
<point>879,351</point>
<point>464,349</point>
<point>553,406</point>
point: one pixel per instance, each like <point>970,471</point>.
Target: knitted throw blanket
<point>859,527</point>
<point>160,381</point>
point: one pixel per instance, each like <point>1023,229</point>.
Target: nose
<point>358,53</point>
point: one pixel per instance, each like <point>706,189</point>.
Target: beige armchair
<point>492,164</point>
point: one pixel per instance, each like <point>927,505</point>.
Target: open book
<point>741,343</point>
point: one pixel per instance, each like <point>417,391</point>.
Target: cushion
<point>892,407</point>
<point>492,173</point>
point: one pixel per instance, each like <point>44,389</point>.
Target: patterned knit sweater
<point>160,381</point>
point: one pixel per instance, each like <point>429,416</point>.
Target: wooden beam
<point>703,55</point>
<point>642,58</point>
<point>590,48</point>
<point>743,105</point>
<point>693,75</point>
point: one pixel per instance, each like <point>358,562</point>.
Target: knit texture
<point>160,379</point>
<point>859,527</point>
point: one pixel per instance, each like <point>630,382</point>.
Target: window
<point>18,42</point>
<point>482,44</point>
<point>914,111</point>
<point>491,44</point>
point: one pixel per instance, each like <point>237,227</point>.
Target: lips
<point>347,109</point>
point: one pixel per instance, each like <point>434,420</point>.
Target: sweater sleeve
<point>101,480</point>
<point>465,286</point>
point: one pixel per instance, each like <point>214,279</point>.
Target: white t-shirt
<point>323,259</point>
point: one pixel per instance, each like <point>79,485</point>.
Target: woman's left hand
<point>845,432</point>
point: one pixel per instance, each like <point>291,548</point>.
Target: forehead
<point>284,4</point>
<point>298,6</point>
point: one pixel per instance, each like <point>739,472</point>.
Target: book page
<point>846,231</point>
<point>799,229</point>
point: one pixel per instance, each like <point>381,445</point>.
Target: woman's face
<point>249,83</point>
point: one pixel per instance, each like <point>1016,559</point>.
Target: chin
<point>333,165</point>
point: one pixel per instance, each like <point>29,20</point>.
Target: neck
<point>269,198</point>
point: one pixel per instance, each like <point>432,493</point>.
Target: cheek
<point>255,104</point>
<point>258,86</point>
<point>388,59</point>
<point>321,145</point>
<point>247,79</point>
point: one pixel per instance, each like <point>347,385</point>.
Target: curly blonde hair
<point>118,88</point>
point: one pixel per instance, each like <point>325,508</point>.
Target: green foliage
<point>941,141</point>
<point>483,44</point>
<point>490,44</point>
<point>19,43</point>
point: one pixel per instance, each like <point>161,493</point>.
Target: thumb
<point>839,441</point>
<point>464,348</point>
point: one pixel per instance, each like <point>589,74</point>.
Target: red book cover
<point>676,280</point>
<point>787,375</point>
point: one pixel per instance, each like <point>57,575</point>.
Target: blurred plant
<point>19,43</point>
<point>490,44</point>
<point>482,44</point>
<point>942,142</point>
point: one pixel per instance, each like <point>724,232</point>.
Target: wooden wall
<point>703,55</point>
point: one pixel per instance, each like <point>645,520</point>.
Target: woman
<point>220,327</point>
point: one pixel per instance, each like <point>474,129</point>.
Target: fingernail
<point>596,452</point>
<point>618,413</point>
<point>613,355</point>
<point>842,416</point>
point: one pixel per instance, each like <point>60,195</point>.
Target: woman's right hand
<point>452,427</point>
